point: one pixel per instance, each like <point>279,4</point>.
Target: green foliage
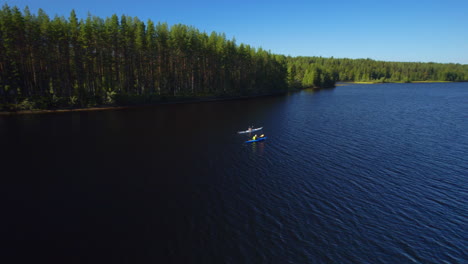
<point>367,70</point>
<point>63,62</point>
<point>110,97</point>
<point>73,100</point>
<point>26,104</point>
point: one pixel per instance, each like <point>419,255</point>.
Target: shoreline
<point>110,107</point>
<point>180,101</point>
<point>46,111</point>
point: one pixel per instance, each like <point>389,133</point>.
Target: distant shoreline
<point>377,82</point>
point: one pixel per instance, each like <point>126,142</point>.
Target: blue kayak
<point>255,140</point>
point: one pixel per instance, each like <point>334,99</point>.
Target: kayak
<point>255,140</point>
<point>249,131</point>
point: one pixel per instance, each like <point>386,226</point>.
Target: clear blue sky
<point>391,30</point>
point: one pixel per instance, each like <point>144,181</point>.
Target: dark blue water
<point>355,174</point>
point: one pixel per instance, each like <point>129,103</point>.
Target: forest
<point>50,63</point>
<point>307,70</point>
<point>59,62</point>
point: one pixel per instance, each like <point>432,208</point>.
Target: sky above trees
<point>398,30</point>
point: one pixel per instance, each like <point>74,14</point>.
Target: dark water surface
<point>356,174</point>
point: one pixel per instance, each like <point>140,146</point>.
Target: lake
<point>356,174</point>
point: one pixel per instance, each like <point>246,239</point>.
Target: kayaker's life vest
<point>254,137</point>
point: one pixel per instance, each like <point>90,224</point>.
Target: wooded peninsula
<point>74,63</point>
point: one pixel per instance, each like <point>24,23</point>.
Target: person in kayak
<point>254,137</point>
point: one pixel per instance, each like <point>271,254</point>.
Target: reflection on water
<point>258,147</point>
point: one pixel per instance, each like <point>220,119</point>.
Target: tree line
<point>69,62</point>
<point>315,71</point>
<point>59,62</point>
